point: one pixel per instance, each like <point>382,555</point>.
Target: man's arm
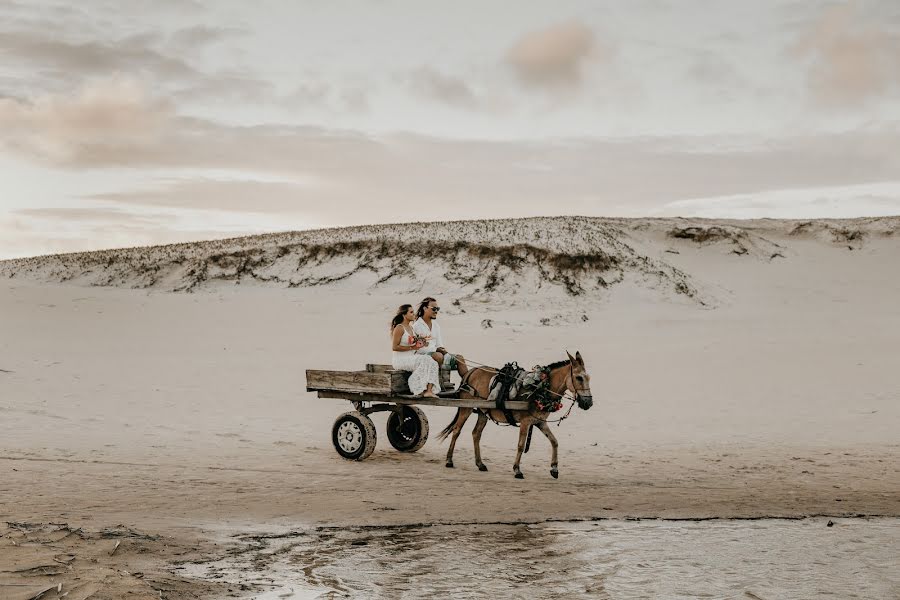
<point>439,339</point>
<point>420,328</point>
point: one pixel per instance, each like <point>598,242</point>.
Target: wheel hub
<point>349,437</point>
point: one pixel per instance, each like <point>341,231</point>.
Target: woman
<point>404,344</point>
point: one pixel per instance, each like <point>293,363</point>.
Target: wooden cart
<point>381,388</point>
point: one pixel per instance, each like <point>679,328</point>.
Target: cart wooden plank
<point>362,396</point>
<point>381,381</point>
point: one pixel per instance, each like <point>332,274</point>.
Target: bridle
<point>577,393</point>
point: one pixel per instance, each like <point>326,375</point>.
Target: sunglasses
<point>435,308</point>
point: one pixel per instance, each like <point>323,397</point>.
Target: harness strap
<point>528,439</point>
<point>507,414</point>
<point>501,405</point>
<point>464,385</point>
<point>505,380</point>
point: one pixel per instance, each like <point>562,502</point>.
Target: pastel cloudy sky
<point>126,122</point>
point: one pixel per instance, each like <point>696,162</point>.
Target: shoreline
<point>38,559</point>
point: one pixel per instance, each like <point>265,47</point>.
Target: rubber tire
<point>364,426</point>
<point>420,435</point>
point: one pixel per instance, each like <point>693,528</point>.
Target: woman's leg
<point>425,376</point>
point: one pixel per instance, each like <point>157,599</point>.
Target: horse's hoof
<point>482,468</point>
<point>554,473</point>
<point>449,464</point>
<point>519,475</point>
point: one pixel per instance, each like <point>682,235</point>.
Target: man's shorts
<point>450,362</point>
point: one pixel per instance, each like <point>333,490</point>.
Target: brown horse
<point>567,375</point>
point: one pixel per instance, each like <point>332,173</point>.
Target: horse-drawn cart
<point>381,388</point>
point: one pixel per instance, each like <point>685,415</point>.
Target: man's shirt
<point>437,341</point>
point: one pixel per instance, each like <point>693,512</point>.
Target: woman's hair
<point>401,314</point>
<point>422,305</point>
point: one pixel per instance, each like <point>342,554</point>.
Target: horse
<point>566,375</point>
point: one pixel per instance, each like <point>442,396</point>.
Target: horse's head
<point>579,382</point>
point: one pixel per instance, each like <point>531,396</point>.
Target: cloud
<point>178,7</point>
<point>865,200</point>
<point>110,113</point>
<point>711,69</point>
<point>32,232</point>
<point>311,92</point>
<point>227,86</point>
<point>112,216</point>
<point>446,89</point>
<point>335,176</point>
<point>57,51</point>
<point>553,56</point>
<point>117,123</point>
<point>280,177</point>
<point>852,60</point>
<point>73,59</point>
<point>201,36</point>
<point>338,98</point>
<point>230,195</point>
<point>354,99</point>
<point>342,178</point>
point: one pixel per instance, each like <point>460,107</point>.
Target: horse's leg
<point>476,439</point>
<point>545,429</point>
<point>524,424</point>
<point>462,415</point>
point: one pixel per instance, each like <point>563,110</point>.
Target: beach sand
<point>169,421</point>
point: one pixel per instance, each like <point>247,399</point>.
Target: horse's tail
<point>446,430</point>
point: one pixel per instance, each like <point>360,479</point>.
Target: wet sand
<point>847,558</point>
<point>55,560</point>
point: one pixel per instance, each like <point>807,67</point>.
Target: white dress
<point>424,368</point>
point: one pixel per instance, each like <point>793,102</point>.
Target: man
<point>426,325</point>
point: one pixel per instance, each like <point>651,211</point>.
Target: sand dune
<point>576,255</point>
<point>740,369</point>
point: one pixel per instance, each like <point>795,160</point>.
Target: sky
<point>132,122</point>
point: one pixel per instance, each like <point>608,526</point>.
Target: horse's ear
<point>578,358</point>
<point>571,359</point>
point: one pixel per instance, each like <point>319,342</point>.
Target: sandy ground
<point>171,420</point>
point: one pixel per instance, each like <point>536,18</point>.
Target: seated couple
<point>418,346</point>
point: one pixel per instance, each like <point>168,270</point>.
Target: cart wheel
<point>407,430</point>
<point>353,435</point>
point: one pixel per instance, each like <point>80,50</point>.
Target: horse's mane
<point>557,364</point>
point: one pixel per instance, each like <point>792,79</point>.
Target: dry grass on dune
<point>576,256</point>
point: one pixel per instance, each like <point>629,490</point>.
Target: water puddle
<point>764,559</point>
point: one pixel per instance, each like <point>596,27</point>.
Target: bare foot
<point>429,395</point>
